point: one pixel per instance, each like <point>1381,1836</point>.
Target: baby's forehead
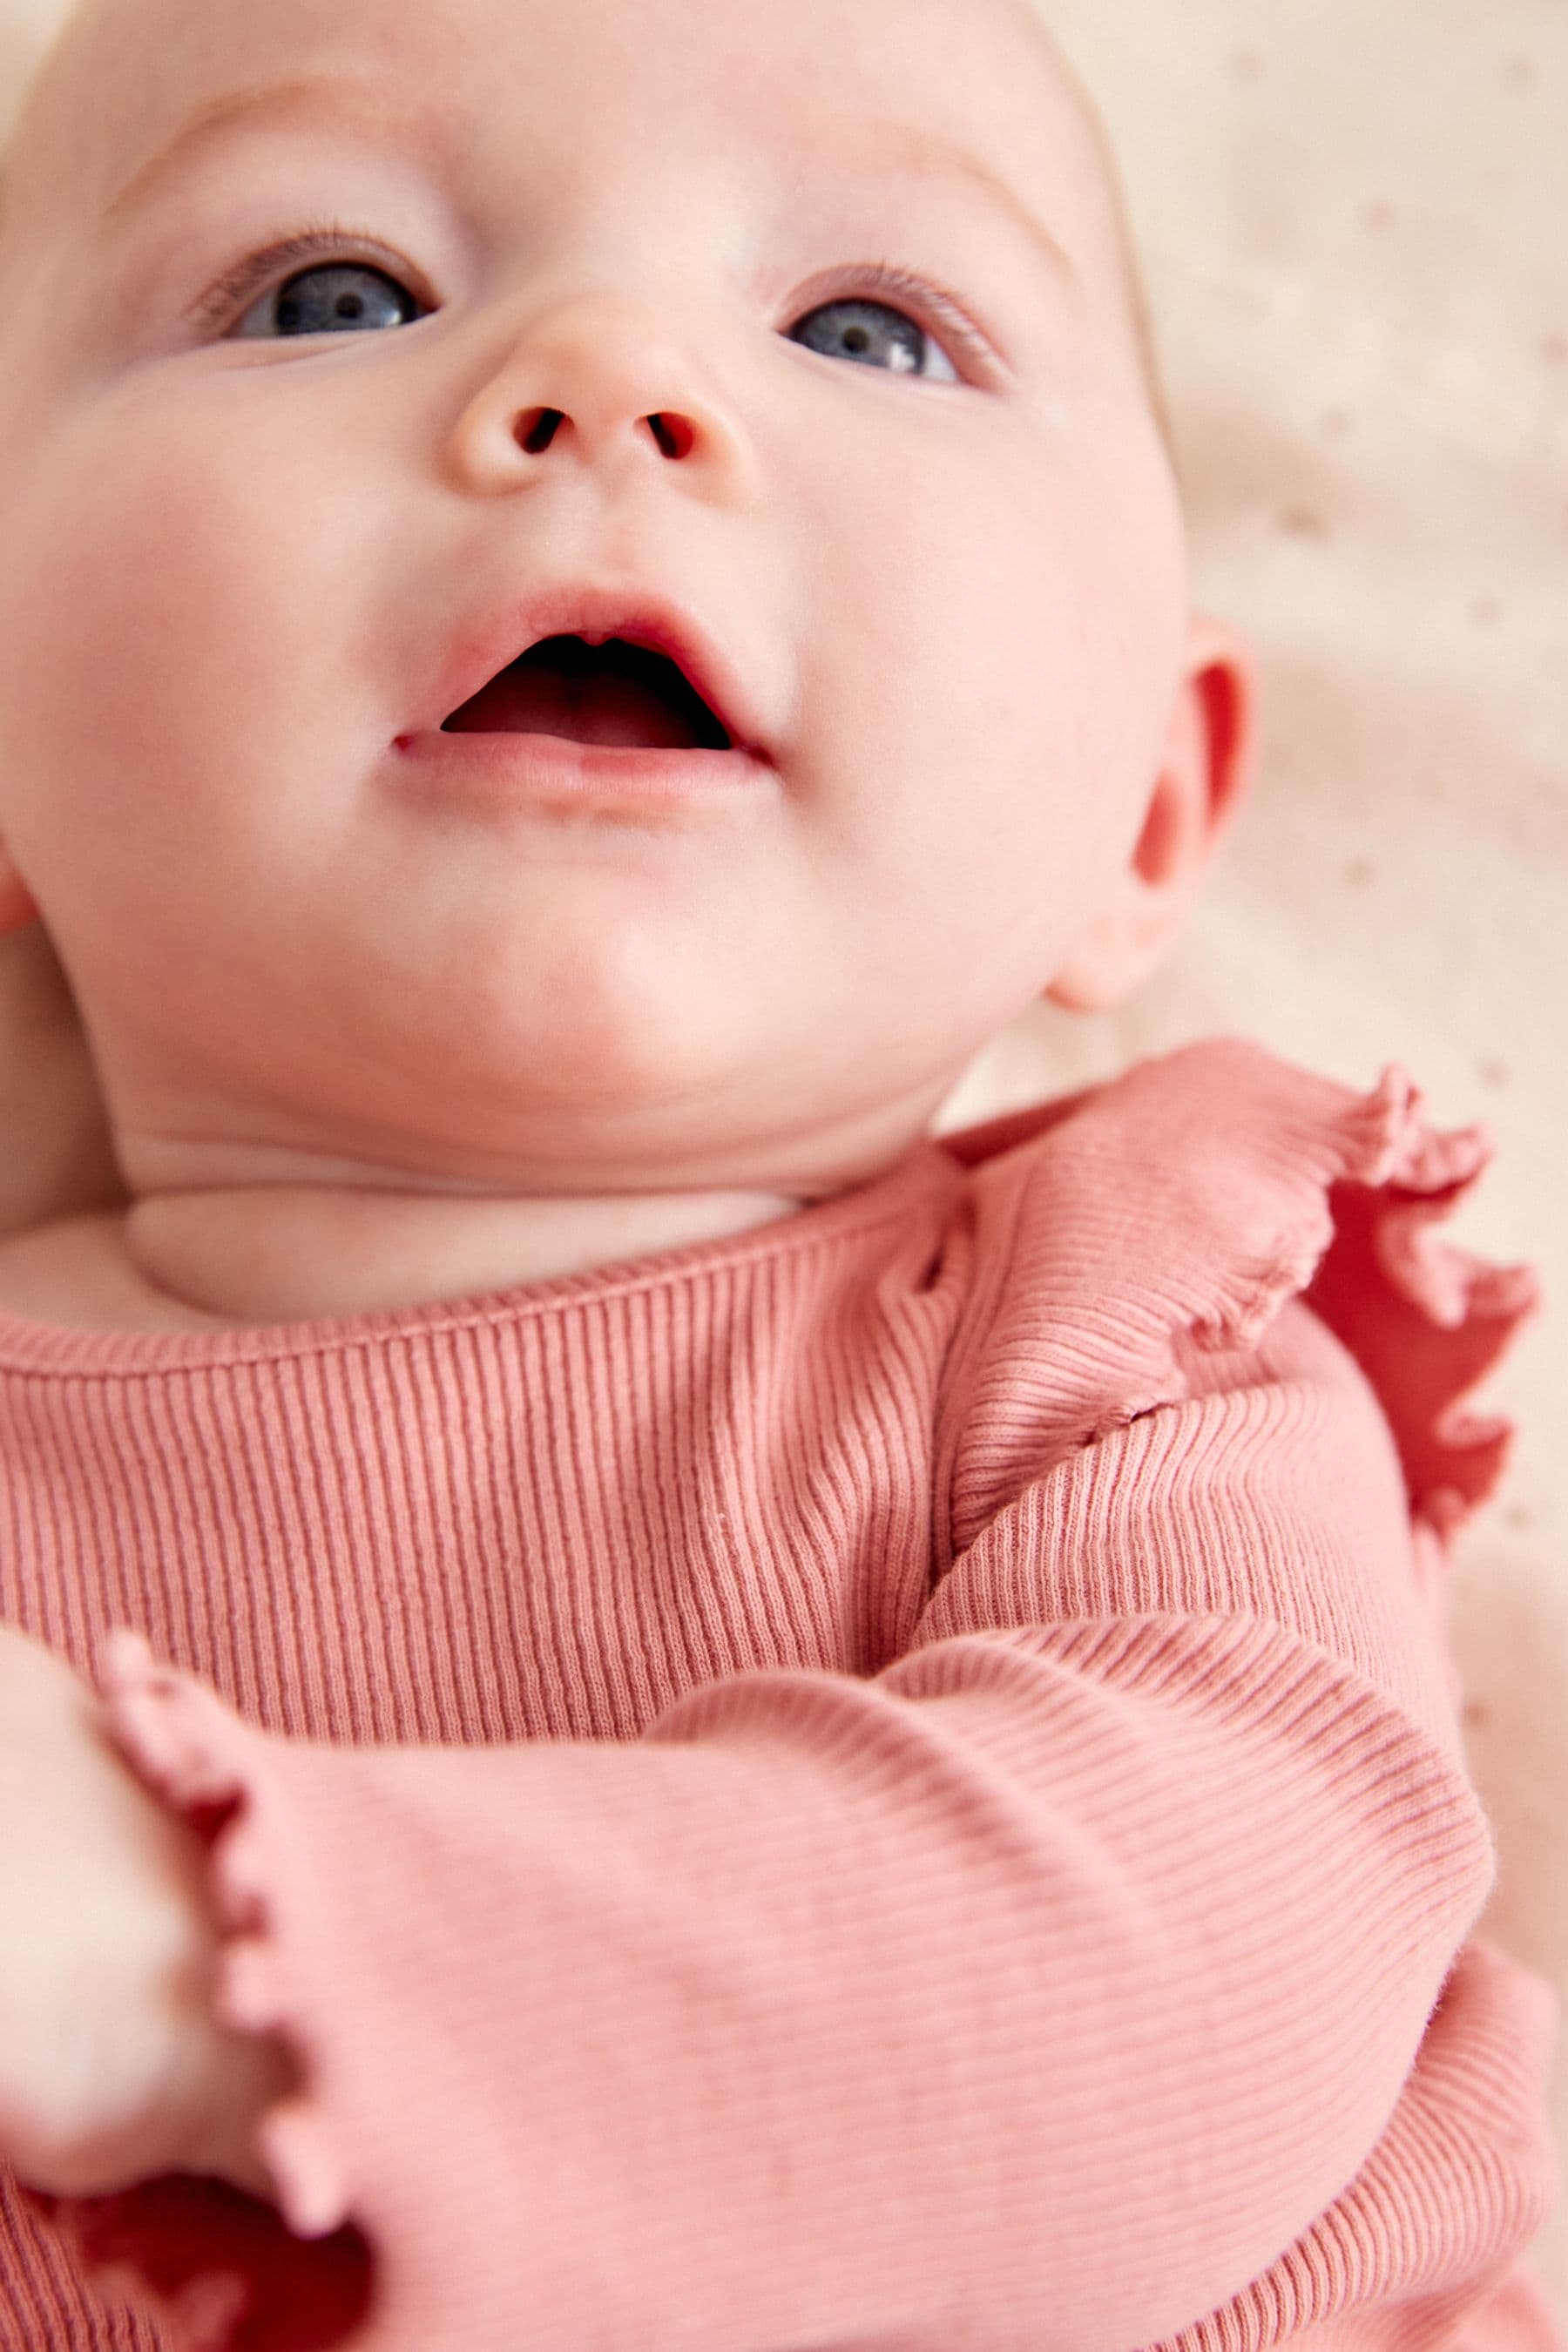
<point>986,77</point>
<point>127,69</point>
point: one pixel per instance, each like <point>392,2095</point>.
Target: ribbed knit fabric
<point>890,1783</point>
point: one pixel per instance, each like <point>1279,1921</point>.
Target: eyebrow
<point>937,154</point>
<point>338,99</point>
<point>928,153</point>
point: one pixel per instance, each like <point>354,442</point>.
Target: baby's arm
<point>1042,1989</point>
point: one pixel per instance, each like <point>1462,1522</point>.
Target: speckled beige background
<point>1355,218</point>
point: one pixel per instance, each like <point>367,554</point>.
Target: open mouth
<point>616,694</point>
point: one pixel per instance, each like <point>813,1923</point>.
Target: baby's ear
<point>1204,773</point>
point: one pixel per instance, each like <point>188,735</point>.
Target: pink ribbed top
<point>892,1782</point>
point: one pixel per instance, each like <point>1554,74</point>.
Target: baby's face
<point>930,527</point>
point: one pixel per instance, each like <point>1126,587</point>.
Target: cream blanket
<point>1353,218</point>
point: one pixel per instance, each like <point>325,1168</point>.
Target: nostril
<point>540,424</point>
<point>536,429</point>
<point>673,434</point>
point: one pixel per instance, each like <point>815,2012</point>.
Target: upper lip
<point>641,617</point>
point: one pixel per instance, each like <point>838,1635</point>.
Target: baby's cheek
<point>196,551</point>
<point>162,701</point>
<point>1069,636</point>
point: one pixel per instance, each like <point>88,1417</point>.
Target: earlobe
<point>1204,773</point>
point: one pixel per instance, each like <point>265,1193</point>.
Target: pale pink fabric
<point>893,1781</point>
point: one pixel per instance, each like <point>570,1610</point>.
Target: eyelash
<point>330,240</point>
<point>887,278</point>
<point>313,244</point>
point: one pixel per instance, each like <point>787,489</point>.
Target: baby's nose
<point>600,381</point>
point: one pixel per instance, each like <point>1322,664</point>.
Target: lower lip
<point>594,778</point>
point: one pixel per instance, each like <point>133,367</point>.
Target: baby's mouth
<point>616,694</point>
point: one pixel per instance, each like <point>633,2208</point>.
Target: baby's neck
<point>214,1233</point>
<point>283,1253</point>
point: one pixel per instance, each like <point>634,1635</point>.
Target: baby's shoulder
<point>1206,1183</point>
<point>1140,1243</point>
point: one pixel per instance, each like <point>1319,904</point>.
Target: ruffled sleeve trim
<point>191,1752</point>
<point>1173,1212</point>
<point>223,2271</point>
<point>1425,1320</point>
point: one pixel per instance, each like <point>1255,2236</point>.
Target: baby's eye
<point>873,335</point>
<point>334,298</point>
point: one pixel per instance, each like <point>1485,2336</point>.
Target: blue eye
<point>871,334</point>
<point>335,298</point>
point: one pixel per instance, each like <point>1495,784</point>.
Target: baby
<point>643,1711</point>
